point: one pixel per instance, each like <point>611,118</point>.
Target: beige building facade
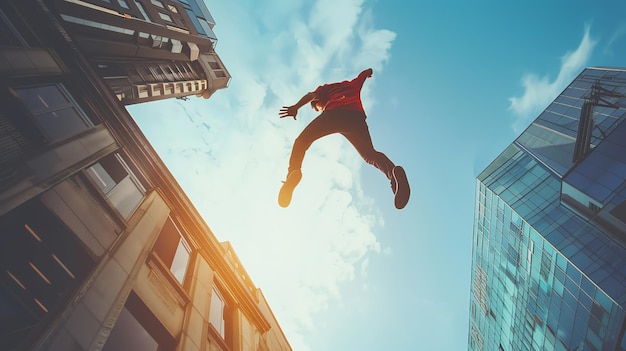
<point>100,248</point>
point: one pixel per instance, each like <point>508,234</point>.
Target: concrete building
<point>146,50</point>
<point>549,244</point>
<point>100,248</point>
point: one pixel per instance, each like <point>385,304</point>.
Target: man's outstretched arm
<point>360,79</point>
<point>292,111</point>
<point>366,73</point>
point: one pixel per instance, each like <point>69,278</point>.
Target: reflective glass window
<point>117,183</point>
<point>165,17</point>
<point>173,250</point>
<point>216,312</point>
<point>55,113</point>
<point>221,327</point>
<point>143,11</point>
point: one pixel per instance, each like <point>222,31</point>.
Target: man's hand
<point>288,111</point>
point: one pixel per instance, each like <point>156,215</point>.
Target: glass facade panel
<point>200,17</point>
<point>554,277</point>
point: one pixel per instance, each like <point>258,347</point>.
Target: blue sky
<point>454,83</point>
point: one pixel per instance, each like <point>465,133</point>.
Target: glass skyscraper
<point>549,242</point>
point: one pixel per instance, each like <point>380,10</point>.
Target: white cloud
<point>616,37</point>
<point>230,152</point>
<point>540,91</point>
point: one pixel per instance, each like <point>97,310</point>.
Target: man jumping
<point>342,112</point>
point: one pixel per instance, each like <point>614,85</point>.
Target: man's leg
<point>355,129</point>
<point>323,125</point>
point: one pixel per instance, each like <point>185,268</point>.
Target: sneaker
<point>400,187</point>
<point>284,196</point>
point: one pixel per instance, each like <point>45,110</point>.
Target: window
<point>220,319</point>
<point>54,112</point>
<point>157,3</point>
<point>216,312</point>
<point>9,35</point>
<point>143,11</point>
<point>43,263</point>
<point>214,65</point>
<point>165,17</point>
<point>123,3</point>
<point>97,25</point>
<point>137,328</point>
<point>177,46</point>
<point>117,183</point>
<point>173,250</point>
<point>172,8</point>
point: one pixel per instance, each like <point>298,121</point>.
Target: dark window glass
<point>42,265</point>
<point>129,334</point>
<point>9,36</point>
<point>138,329</point>
<point>60,123</point>
<point>173,250</point>
<point>40,99</point>
<point>54,112</point>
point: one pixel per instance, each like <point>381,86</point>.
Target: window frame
<point>226,338</point>
<point>165,17</point>
<point>70,104</point>
<point>104,195</point>
<point>143,11</point>
<point>142,314</point>
<point>167,263</point>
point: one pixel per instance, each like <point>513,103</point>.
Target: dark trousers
<point>350,124</point>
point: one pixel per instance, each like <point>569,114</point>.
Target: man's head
<point>317,105</point>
